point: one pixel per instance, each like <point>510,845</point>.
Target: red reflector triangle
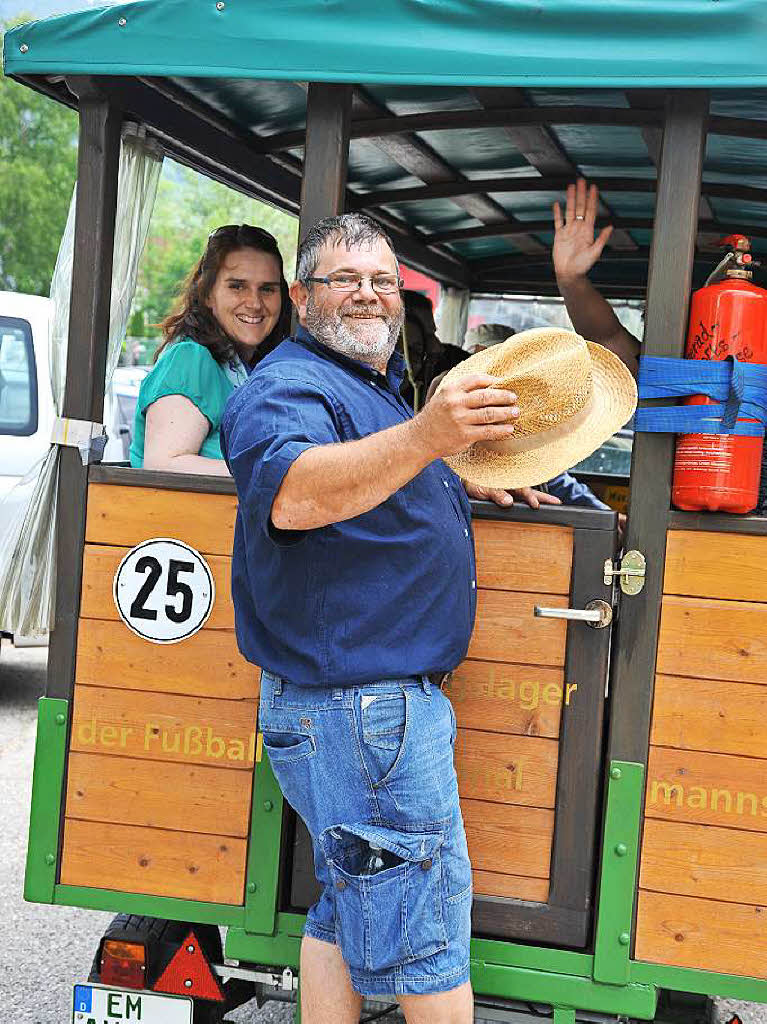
<point>189,964</point>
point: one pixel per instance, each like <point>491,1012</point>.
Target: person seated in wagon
<point>233,310</point>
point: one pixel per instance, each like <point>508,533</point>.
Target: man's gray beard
<point>375,350</point>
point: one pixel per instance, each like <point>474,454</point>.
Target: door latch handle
<point>596,614</point>
<point>630,573</point>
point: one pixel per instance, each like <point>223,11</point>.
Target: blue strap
<point>739,391</point>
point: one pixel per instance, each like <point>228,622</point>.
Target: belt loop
<point>426,684</point>
<point>338,693</point>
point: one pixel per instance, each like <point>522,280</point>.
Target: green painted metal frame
<point>606,982</point>
<point>258,912</point>
<point>45,812</point>
<point>620,855</point>
<point>263,871</point>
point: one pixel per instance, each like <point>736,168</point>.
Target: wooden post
<point>668,299</point>
<point>326,156</point>
<point>97,172</point>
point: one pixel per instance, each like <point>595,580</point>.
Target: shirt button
<point>473,584</point>
<point>445,483</point>
<point>341,885</point>
<point>426,864</point>
<point>466,533</point>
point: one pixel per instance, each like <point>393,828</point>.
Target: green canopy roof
<point>490,42</point>
<point>462,172</point>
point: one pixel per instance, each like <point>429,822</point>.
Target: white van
<point>26,400</point>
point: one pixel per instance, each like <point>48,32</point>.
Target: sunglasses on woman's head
<point>233,229</point>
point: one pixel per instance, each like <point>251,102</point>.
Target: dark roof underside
<point>463,176</point>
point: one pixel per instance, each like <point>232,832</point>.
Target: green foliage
<point>190,206</point>
<point>38,160</point>
<point>38,163</point>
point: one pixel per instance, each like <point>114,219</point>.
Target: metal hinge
<point>631,573</point>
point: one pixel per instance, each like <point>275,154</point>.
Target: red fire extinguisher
<point>720,472</point>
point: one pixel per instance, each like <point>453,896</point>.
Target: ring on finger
<point>580,216</point>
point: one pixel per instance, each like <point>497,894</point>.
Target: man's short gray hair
<point>355,230</point>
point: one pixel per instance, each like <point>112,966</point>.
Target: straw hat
<point>573,395</point>
<point>486,335</point>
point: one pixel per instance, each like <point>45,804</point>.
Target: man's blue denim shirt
<point>388,594</point>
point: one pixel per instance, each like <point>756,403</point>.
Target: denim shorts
<point>366,765</point>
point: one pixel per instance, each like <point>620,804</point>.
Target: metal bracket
<point>286,981</point>
<point>631,572</point>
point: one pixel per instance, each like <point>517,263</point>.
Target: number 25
<point>153,569</point>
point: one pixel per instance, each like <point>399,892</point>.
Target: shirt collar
<point>395,368</point>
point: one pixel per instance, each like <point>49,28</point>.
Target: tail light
<point>123,964</point>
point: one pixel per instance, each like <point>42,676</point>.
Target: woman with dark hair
<point>233,310</point>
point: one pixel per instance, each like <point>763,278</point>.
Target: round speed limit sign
<point>164,590</point>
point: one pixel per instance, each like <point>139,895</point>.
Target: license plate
<point>94,1004</point>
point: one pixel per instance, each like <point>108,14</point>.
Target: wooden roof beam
<point>452,120</point>
<point>629,223</point>
<point>541,149</point>
<point>420,160</point>
<point>529,183</point>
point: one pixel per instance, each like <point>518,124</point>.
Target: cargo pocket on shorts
<point>392,917</point>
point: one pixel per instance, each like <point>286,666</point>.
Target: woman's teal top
<point>184,368</point>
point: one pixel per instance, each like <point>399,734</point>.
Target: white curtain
<point>28,549</point>
<point>453,315</point>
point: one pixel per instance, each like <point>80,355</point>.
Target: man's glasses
<point>384,284</point>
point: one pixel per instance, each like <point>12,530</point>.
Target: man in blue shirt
<point>347,517</point>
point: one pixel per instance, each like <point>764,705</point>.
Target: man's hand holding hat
<point>466,411</point>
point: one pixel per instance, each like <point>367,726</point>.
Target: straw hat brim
<point>613,404</point>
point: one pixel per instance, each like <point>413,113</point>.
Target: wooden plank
<point>506,769</point>
<point>726,938</point>
<point>523,557</point>
<point>523,700</point>
<point>709,714</point>
<point>702,860</point>
<point>723,565</point>
<point>710,789</point>
<point>712,639</point>
<point>100,565</point>
<point>508,840</point>
<point>164,727</point>
<point>181,797</point>
<point>207,664</point>
<point>124,516</point>
<point>154,861</point>
<point>506,629</point>
<point>516,887</point>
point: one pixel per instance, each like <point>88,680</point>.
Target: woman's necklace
<point>236,371</point>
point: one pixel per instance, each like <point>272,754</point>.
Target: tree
<point>38,164</point>
<point>38,161</point>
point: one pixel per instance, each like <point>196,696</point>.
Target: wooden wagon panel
<point>163,739</point>
<point>703,869</point>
